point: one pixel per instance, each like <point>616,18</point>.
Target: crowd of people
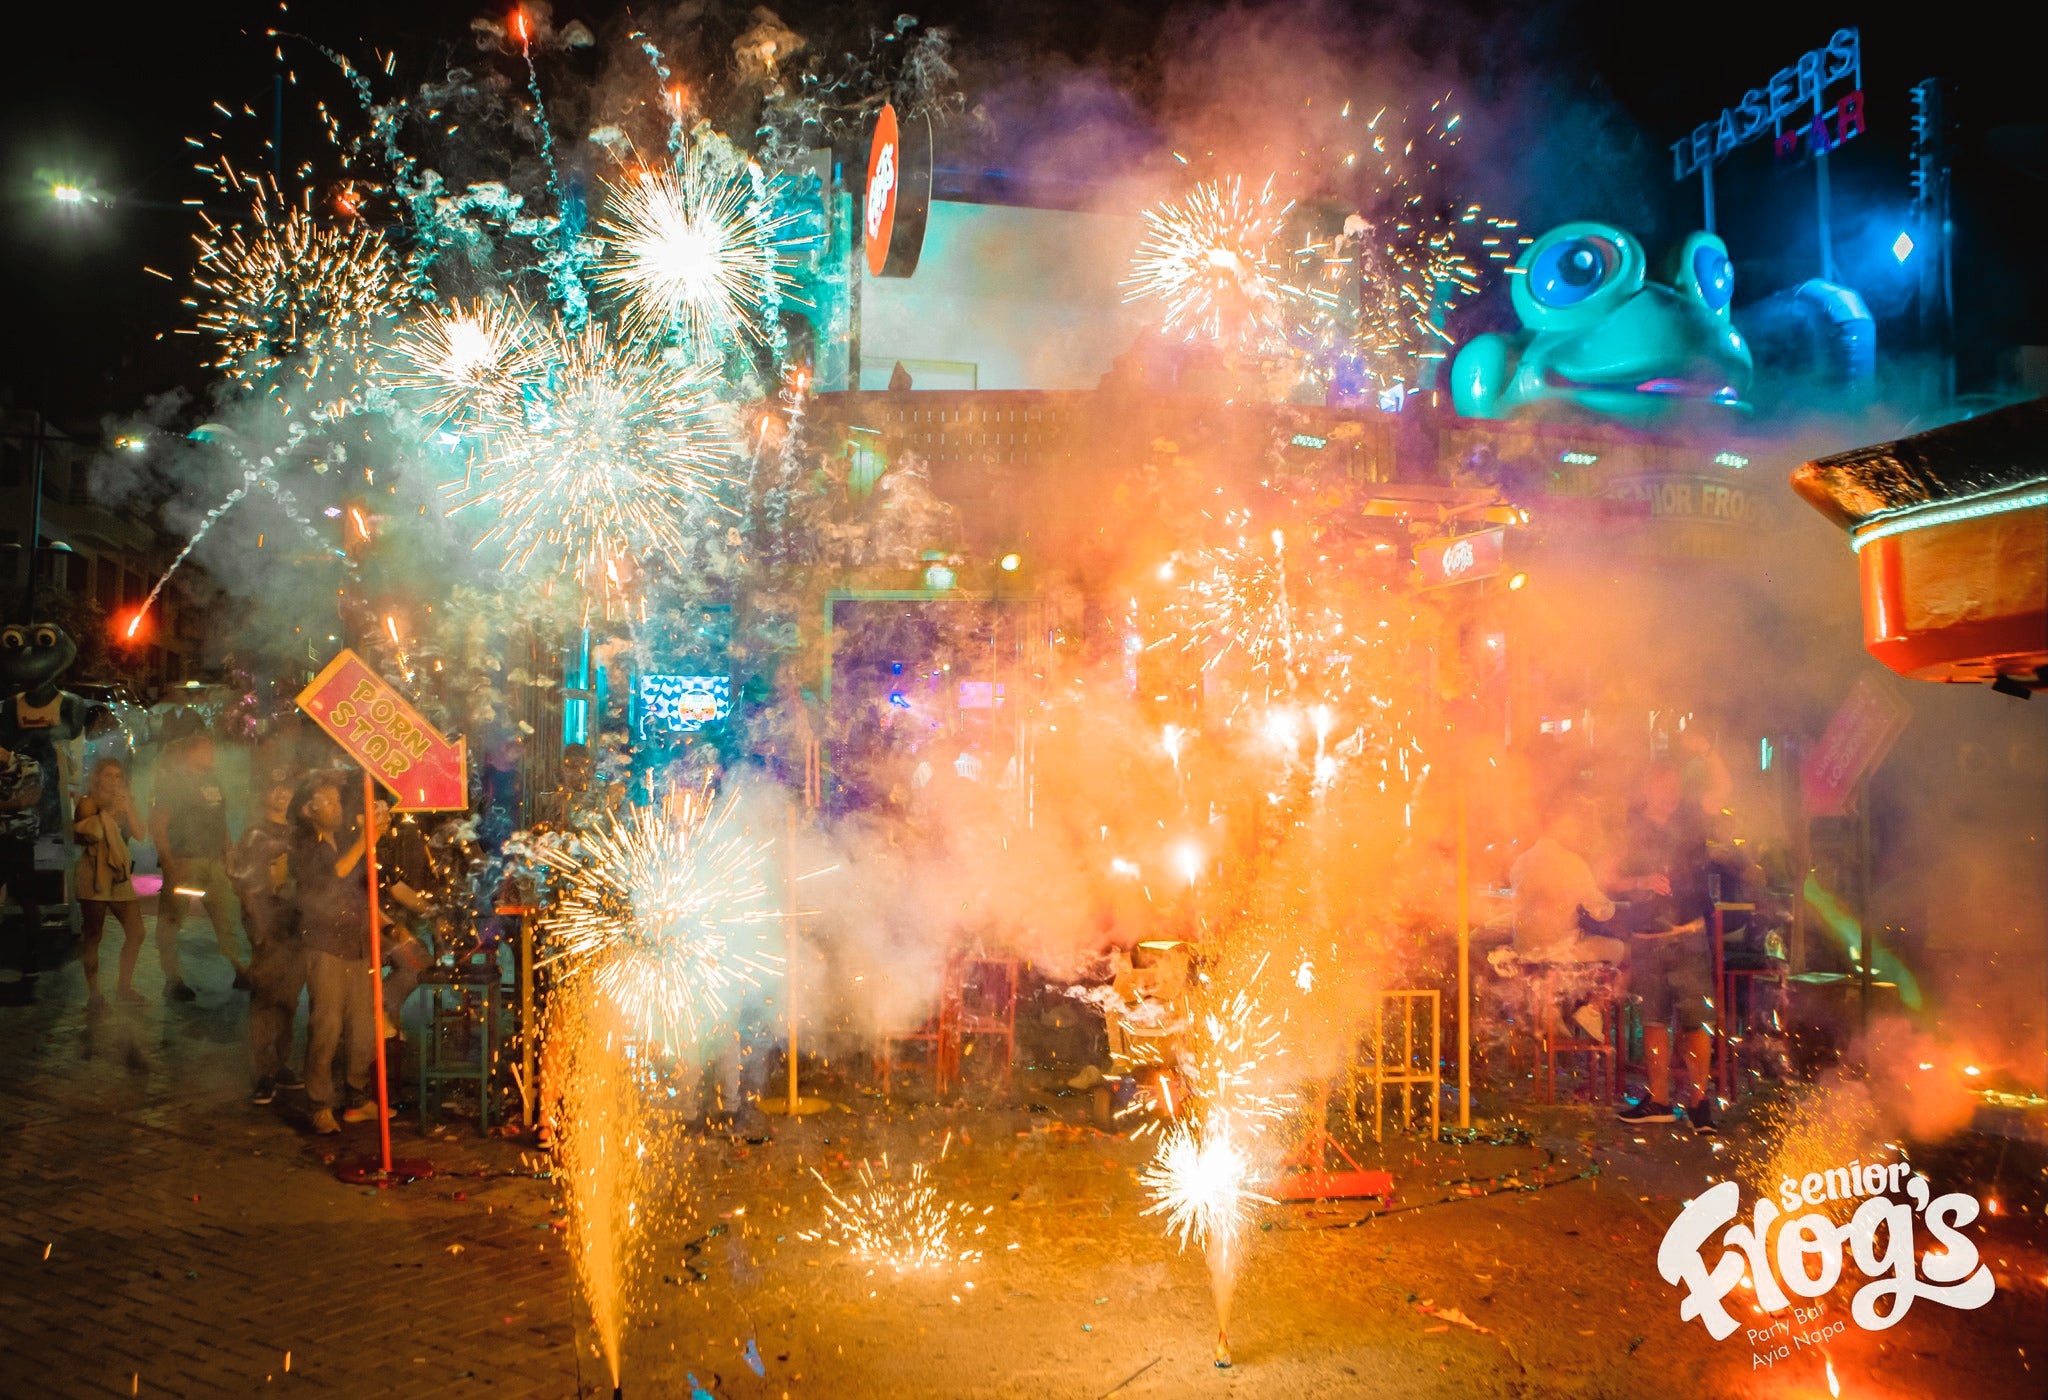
<point>286,900</point>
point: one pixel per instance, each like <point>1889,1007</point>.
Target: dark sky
<point>111,99</point>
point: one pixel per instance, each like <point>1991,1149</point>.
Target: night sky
<point>110,95</point>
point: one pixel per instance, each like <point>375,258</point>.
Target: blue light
<point>899,700</point>
<point>1902,246</point>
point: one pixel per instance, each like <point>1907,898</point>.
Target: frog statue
<point>1602,336</point>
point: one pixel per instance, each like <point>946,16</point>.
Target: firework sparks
<point>907,1225</point>
<point>468,363</point>
<point>1378,293</point>
<point>1233,601</point>
<point>288,297</point>
<point>1200,1181</point>
<point>694,253</point>
<point>654,910</point>
<point>1212,259</point>
<point>601,463</point>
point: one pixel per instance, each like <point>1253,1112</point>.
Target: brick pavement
<point>163,1237</point>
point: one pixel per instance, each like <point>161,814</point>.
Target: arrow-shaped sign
<point>359,710</point>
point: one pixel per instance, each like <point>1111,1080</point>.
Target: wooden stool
<point>985,1008</point>
<point>476,1007</point>
<point>1604,1054</point>
<point>1415,1067</point>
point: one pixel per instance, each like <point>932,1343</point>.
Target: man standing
<point>190,828</point>
<point>277,964</point>
<point>334,912</point>
<point>1670,962</point>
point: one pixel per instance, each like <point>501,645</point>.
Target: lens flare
<point>657,910</point>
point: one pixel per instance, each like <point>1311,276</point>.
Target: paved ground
<point>164,1238</point>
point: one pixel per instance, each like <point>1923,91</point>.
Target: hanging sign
<point>899,193</point>
<point>1794,94</point>
<point>359,710</point>
<point>1465,559</point>
<point>1855,742</point>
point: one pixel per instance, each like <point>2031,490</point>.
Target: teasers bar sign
<point>1794,94</point>
<point>360,711</point>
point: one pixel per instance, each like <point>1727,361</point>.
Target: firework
<point>1213,259</point>
<point>694,253</point>
<point>655,909</point>
<point>1200,1181</point>
<point>601,1141</point>
<point>602,462</point>
<point>1377,293</point>
<point>290,298</point>
<point>1232,600</point>
<point>909,1227</point>
<point>469,364</point>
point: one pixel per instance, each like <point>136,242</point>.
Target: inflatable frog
<point>1600,335</point>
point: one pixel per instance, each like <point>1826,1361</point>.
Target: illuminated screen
<point>670,705</point>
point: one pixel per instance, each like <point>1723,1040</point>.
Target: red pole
<point>376,964</point>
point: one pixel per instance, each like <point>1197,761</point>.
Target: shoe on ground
<point>361,1113</point>
<point>178,991</point>
<point>1648,1110</point>
<point>289,1081</point>
<point>131,997</point>
<point>323,1122</point>
<point>242,979</point>
<point>1701,1116</point>
<point>265,1093</point>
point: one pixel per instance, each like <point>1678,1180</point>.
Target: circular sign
<point>885,167</point>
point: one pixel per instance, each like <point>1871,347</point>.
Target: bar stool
<point>985,1008</point>
<point>464,1005</point>
<point>1604,1055</point>
<point>935,1033</point>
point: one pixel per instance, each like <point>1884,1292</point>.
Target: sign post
<point>792,1102</point>
<point>377,727</point>
<point>376,967</point>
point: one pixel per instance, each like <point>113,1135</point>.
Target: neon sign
<point>1793,94</point>
<point>1826,131</point>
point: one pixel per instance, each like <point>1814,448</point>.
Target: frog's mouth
<point>1667,386</point>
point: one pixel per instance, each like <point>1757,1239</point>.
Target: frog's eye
<point>1715,275</point>
<point>45,639</point>
<point>1572,269</point>
<point>13,639</point>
